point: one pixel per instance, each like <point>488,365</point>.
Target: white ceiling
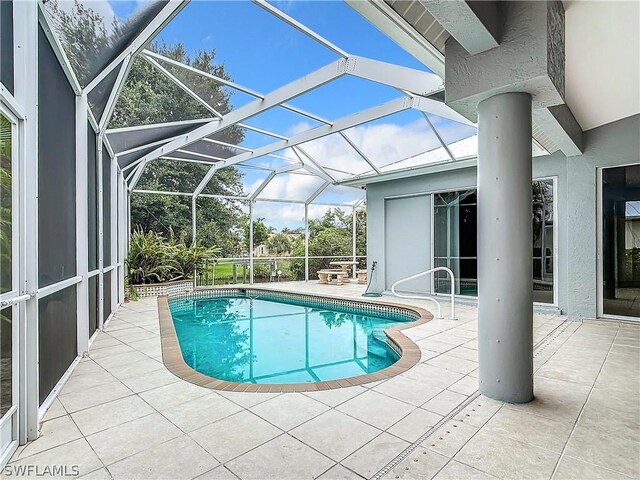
<point>602,60</point>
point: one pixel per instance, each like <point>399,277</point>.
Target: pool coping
<point>408,351</point>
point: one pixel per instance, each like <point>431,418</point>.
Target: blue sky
<point>263,53</point>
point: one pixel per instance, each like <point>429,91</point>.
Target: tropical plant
<point>278,244</point>
<point>189,258</point>
<point>149,260</point>
<point>154,259</point>
<point>5,203</point>
<point>260,232</point>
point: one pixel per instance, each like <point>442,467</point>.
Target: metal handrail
<point>417,297</point>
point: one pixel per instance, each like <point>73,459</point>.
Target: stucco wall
<point>614,144</point>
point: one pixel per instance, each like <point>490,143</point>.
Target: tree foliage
<point>149,97</point>
<point>153,258</point>
<point>6,201</point>
<point>260,232</point>
<point>84,36</point>
<point>330,236</point>
<point>278,244</point>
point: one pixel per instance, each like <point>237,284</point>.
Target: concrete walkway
<point>123,415</point>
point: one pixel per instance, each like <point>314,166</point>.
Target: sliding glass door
<point>10,299</point>
<point>621,241</point>
<point>455,231</point>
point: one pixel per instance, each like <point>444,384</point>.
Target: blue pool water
<point>266,340</point>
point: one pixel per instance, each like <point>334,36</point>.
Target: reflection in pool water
<point>248,340</point>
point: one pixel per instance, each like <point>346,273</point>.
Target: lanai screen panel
<point>131,159</point>
<point>334,153</point>
<point>354,94</point>
<point>113,31</point>
<point>207,150</point>
<point>394,138</point>
<point>99,96</point>
<point>224,233</point>
<point>155,98</point>
<point>275,47</point>
<point>295,187</point>
<point>125,138</point>
<point>106,298</point>
<point>334,194</point>
<point>281,121</point>
<point>172,176</point>
<point>279,159</point>
<point>337,22</point>
<point>6,44</point>
<point>56,170</point>
<point>94,295</point>
<point>245,180</point>
<point>195,77</point>
<point>57,337</point>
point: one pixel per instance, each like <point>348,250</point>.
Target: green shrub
<point>154,259</point>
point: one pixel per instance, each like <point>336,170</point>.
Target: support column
<point>353,240</point>
<point>82,225</point>
<point>101,233</point>
<point>194,227</point>
<point>306,242</point>
<point>25,21</point>
<point>251,277</point>
<point>505,311</point>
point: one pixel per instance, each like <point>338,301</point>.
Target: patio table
<point>344,265</point>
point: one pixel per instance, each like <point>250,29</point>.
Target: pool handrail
<point>424,297</point>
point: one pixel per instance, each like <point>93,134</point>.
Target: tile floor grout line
<point>470,438</point>
<point>413,446</point>
<point>91,447</point>
<point>575,425</point>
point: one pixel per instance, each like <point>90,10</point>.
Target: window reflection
<point>6,210</point>
<point>621,240</point>
<point>456,247</point>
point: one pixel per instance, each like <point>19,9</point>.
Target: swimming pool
<point>270,338</point>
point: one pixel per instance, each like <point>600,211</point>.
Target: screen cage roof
<point>339,117</point>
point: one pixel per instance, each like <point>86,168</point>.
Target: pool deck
<point>122,414</point>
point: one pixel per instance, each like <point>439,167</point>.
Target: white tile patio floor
<point>123,415</point>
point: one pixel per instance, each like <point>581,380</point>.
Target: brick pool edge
<point>409,352</point>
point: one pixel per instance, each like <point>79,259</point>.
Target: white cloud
<point>280,215</point>
<point>411,144</point>
<point>382,143</point>
<point>289,186</point>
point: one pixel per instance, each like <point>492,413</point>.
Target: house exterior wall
<point>576,221</point>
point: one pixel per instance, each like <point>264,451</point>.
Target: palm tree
<point>279,244</point>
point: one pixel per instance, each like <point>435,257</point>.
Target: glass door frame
<point>556,226</point>
<point>600,250</point>
<point>9,423</point>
